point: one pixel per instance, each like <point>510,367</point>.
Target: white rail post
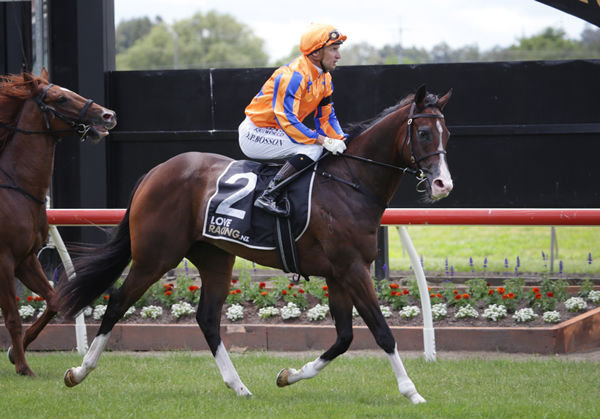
<point>428,332</point>
<point>80,330</point>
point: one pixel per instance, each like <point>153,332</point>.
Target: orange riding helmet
<point>319,35</point>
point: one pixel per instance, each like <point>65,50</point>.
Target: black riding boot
<point>266,200</point>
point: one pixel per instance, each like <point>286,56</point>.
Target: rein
<point>417,171</point>
<point>76,125</point>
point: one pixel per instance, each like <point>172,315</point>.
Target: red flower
<point>326,294</point>
<point>193,288</point>
<point>38,298</point>
<point>294,294</point>
<point>501,290</point>
<point>393,293</point>
<point>168,292</point>
<point>168,286</point>
<point>30,298</point>
<point>550,294</point>
<point>511,295</point>
<point>106,296</point>
<point>455,292</point>
<point>234,281</point>
<point>429,289</point>
<point>262,285</point>
<point>325,288</point>
<point>290,286</point>
<point>301,291</point>
<point>264,293</point>
<point>394,286</point>
<point>405,292</point>
<point>432,295</point>
<point>238,291</point>
<point>284,292</point>
<point>538,296</point>
<point>466,296</point>
<point>490,292</point>
<point>18,299</point>
<point>457,297</point>
<point>535,290</point>
<point>504,297</point>
<point>438,295</point>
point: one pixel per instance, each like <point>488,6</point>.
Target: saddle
<point>231,215</point>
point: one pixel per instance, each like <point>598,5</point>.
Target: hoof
<point>70,379</point>
<point>417,399</point>
<point>282,377</point>
<point>11,357</point>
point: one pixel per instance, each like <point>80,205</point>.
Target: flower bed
<point>276,301</point>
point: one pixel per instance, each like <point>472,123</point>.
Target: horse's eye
<point>423,134</point>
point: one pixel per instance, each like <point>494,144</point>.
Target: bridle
<point>75,123</point>
<point>417,171</point>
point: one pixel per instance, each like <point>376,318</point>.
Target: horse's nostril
<point>439,183</point>
<point>108,116</point>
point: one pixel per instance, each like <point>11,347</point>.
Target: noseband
<point>75,123</point>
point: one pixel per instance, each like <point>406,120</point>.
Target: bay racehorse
<point>164,223</point>
<point>34,114</point>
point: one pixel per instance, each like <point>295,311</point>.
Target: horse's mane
<point>355,129</point>
<point>14,90</point>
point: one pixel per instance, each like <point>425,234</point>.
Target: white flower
<point>235,312</point>
<point>151,312</point>
<point>409,312</point>
<point>291,310</point>
<point>41,310</point>
<point>551,317</point>
<point>439,311</point>
<point>386,311</point>
<point>129,312</point>
<point>354,312</point>
<point>266,312</point>
<point>494,312</point>
<point>87,312</point>
<point>466,311</point>
<point>575,304</point>
<point>182,309</point>
<point>524,315</point>
<point>26,311</point>
<point>318,312</point>
<point>99,311</point>
<point>594,296</point>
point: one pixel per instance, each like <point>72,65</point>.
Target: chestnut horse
<point>165,217</point>
<point>33,115</point>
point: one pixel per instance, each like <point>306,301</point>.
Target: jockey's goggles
<point>319,36</point>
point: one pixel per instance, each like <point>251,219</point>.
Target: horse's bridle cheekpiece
<point>76,125</point>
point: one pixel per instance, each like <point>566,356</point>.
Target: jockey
<point>273,127</point>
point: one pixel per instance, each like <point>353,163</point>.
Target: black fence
<point>524,134</point>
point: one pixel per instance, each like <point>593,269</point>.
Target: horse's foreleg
<point>31,274</point>
<point>12,319</point>
<point>340,307</point>
<point>215,267</point>
<point>365,300</point>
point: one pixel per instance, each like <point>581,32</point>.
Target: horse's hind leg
<point>340,306</point>
<point>215,267</point>
<point>32,275</point>
<point>137,282</point>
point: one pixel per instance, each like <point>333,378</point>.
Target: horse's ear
<point>444,99</point>
<point>420,96</point>
<point>27,78</point>
<point>44,74</point>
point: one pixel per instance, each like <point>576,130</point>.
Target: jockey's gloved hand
<point>334,146</point>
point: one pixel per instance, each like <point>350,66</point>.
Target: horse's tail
<point>97,269</point>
